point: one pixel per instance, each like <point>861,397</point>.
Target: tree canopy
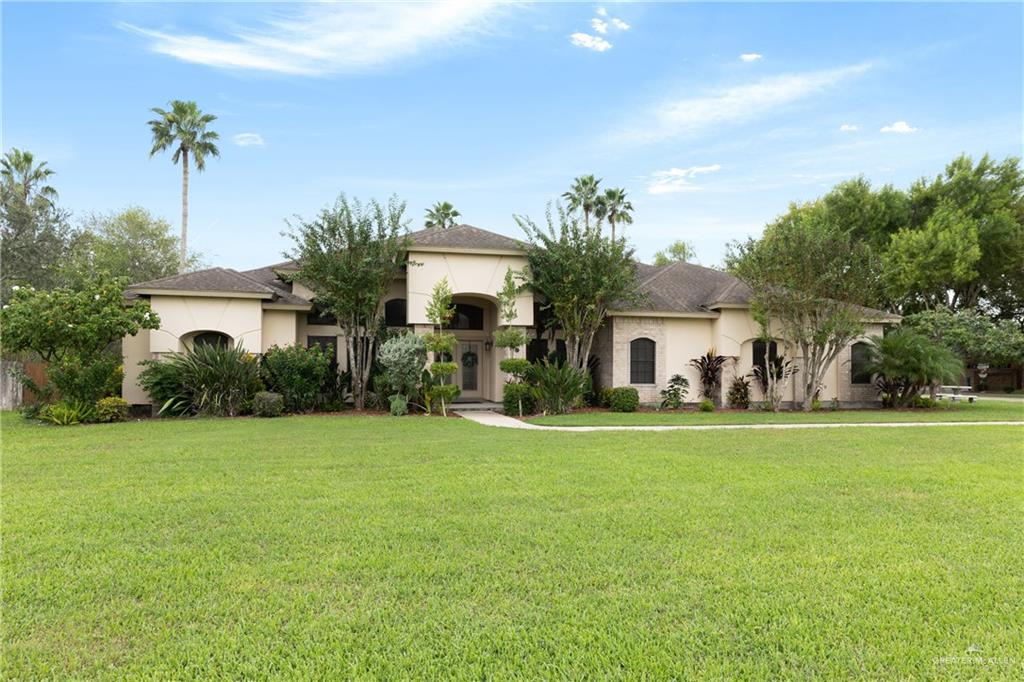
<point>679,251</point>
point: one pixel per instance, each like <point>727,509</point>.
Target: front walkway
<point>506,422</point>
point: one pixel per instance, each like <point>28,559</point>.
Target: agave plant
<point>709,374</point>
<point>557,387</point>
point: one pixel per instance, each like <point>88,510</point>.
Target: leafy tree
<point>973,336</point>
<point>584,197</point>
<point>964,244</point>
<point>34,233</point>
<point>349,255</point>
<point>865,213</point>
<point>441,344</point>
<point>678,251</point>
<point>581,275</point>
<point>510,338</point>
<point>132,243</point>
<point>73,330</point>
<point>905,362</point>
<point>614,207</point>
<point>296,373</point>
<point>808,277</point>
<point>441,216</point>
<point>183,128</point>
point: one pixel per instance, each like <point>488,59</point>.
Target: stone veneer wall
<point>603,349</point>
<point>625,330</point>
<point>850,394</point>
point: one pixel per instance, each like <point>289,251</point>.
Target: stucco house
<point>689,309</point>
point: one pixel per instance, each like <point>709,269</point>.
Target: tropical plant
<point>584,197</point>
<point>111,409</point>
<point>580,275</point>
<point>738,396</point>
<point>296,373</point>
<point>905,363</point>
<point>709,374</point>
<point>441,216</point>
<point>399,404</point>
<point>68,413</point>
<point>21,174</point>
<point>267,404</point>
<point>557,387</point>
<point>614,207</point>
<point>183,128</point>
<point>706,405</point>
<point>673,396</point>
<point>772,377</point>
<point>809,280</point>
<point>349,255</point>
<point>212,380</point>
<point>403,358</point>
<point>624,399</point>
<point>678,251</point>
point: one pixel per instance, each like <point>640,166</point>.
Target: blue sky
<point>713,117</point>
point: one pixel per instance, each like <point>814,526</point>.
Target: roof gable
<point>464,238</point>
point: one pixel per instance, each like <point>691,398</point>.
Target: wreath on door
<point>469,359</point>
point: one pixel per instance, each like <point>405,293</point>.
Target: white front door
<point>469,375</point>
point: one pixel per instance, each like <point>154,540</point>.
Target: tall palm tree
<point>21,174</point>
<point>614,206</point>
<point>441,215</point>
<point>583,196</point>
<point>184,128</point>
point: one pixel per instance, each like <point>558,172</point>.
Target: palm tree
<point>21,174</point>
<point>441,215</point>
<point>614,206</point>
<point>184,128</point>
<point>583,196</point>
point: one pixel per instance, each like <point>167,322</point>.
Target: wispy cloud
<point>676,180</point>
<point>595,43</point>
<point>599,25</point>
<point>849,128</point>
<point>736,104</point>
<point>330,38</point>
<point>899,127</point>
<point>248,140</point>
<point>751,56</point>
<point>601,12</point>
<point>620,24</point>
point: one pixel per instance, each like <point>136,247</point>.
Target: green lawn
<point>336,547</point>
<point>983,410</point>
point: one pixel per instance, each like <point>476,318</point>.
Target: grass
<point>982,410</point>
<point>369,547</point>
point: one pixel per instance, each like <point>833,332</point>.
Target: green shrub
<point>672,397</point>
<point>510,338</point>
<point>624,399</point>
<point>296,373</point>
<point>443,369</point>
<point>738,396</point>
<point>68,413</point>
<point>111,410</point>
<point>210,380</point>
<point>516,367</point>
<point>399,404</point>
<point>924,402</point>
<point>815,405</point>
<point>448,393</point>
<point>267,404</point>
<point>604,397</point>
<point>86,377</point>
<point>516,395</point>
<point>557,387</point>
<point>1008,389</point>
<point>706,405</point>
<point>402,358</point>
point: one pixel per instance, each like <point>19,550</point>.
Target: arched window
<point>860,356</point>
<point>757,355</point>
<point>467,316</point>
<point>641,361</point>
<point>394,313</point>
<point>211,339</point>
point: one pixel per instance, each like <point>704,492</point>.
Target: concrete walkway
<point>505,422</point>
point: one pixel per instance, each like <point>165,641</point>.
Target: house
<point>688,309</point>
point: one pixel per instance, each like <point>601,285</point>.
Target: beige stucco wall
<point>134,349</point>
<point>180,316</point>
<point>280,328</point>
<point>480,274</point>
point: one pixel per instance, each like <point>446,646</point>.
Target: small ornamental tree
<point>441,344</point>
<point>512,339</point>
<point>73,330</point>
<point>403,358</point>
<point>349,255</point>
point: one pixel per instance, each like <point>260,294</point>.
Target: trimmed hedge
<point>513,393</point>
<point>623,399</point>
<point>267,404</point>
<point>111,410</point>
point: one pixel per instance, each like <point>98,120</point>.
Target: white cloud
<point>900,127</point>
<point>248,140</point>
<point>676,180</point>
<point>330,38</point>
<point>848,128</point>
<point>751,56</point>
<point>620,24</point>
<point>590,42</point>
<point>735,104</point>
<point>601,12</point>
<point>599,25</point>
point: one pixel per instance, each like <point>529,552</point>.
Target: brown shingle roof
<point>211,279</point>
<point>465,237</point>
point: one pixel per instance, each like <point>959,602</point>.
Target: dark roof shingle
<point>465,237</point>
